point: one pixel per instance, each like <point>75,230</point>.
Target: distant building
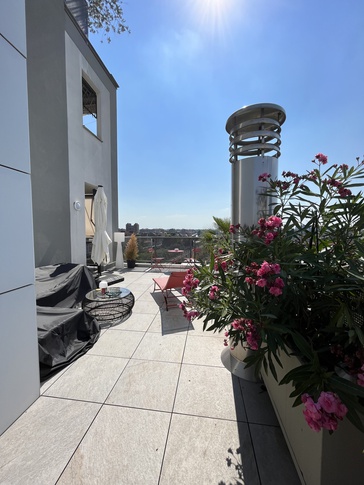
<point>131,229</point>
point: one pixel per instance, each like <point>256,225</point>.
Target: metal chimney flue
<point>254,149</point>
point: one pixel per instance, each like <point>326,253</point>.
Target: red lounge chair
<point>168,283</point>
<point>156,263</point>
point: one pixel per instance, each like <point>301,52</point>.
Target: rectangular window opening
<point>89,106</point>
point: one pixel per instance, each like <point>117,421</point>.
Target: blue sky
<point>189,64</point>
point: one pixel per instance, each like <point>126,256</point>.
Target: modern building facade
<point>72,117</point>
<point>52,158</point>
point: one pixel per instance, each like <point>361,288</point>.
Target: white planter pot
<point>320,458</point>
<point>233,361</point>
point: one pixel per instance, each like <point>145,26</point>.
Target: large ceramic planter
<point>233,361</point>
<point>320,458</point>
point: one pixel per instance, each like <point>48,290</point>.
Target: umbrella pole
<point>99,269</point>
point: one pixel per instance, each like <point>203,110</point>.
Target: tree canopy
<point>107,16</point>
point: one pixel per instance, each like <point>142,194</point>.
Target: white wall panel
<point>12,23</point>
<point>17,254</point>
<point>14,121</point>
<point>19,376</point>
<point>19,361</point>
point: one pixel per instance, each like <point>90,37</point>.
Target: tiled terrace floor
<point>149,404</point>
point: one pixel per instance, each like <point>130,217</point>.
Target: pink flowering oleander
<point>321,158</point>
<point>262,277</point>
<point>268,268</point>
<point>189,282</point>
<point>250,331</point>
<point>233,229</point>
<point>264,177</point>
<point>324,413</point>
<point>360,377</point>
<point>189,314</point>
<point>293,283</point>
<point>268,228</point>
<point>214,292</point>
<point>275,291</point>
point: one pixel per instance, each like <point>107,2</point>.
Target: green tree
<point>211,238</point>
<point>106,15</point>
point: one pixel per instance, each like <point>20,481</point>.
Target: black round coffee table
<point>112,307</point>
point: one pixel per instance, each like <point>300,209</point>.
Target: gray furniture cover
<point>65,332</point>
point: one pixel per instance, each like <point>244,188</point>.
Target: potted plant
<point>131,251</point>
<point>293,286</point>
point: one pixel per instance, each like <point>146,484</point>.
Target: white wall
<point>19,376</point>
<point>89,156</point>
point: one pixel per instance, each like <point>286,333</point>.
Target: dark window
<point>89,106</point>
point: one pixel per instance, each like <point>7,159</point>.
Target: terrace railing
<point>173,249</point>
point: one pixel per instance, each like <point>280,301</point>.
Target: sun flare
<point>213,15</point>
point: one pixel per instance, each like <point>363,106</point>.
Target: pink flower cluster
<point>222,262</point>
<point>189,282</point>
<point>360,377</point>
<point>268,228</point>
<point>234,228</point>
<point>321,158</point>
<point>336,183</point>
<point>294,176</point>
<point>189,314</point>
<point>264,177</point>
<point>214,292</point>
<point>325,412</point>
<point>264,276</point>
<point>250,331</point>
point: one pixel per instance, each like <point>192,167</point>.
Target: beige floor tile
<point>196,329</point>
<point>258,405</point>
<point>156,326</point>
<point>149,295</point>
<point>165,348</point>
<point>172,321</point>
<point>203,350</point>
<point>51,380</point>
<point>117,343</point>
<point>146,307</point>
<point>208,391</point>
<point>137,321</point>
<point>90,378</point>
<point>204,451</point>
<point>136,293</point>
<point>37,447</point>
<point>146,384</point>
<point>124,446</point>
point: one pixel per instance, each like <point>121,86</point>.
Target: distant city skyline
<point>188,65</point>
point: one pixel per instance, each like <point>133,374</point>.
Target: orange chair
<point>167,283</point>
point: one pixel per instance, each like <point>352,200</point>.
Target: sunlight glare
<point>213,16</point>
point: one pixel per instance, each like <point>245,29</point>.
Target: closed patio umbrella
<point>100,245</point>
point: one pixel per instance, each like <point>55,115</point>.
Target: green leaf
<point>355,419</point>
<point>303,346</point>
<point>346,386</point>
